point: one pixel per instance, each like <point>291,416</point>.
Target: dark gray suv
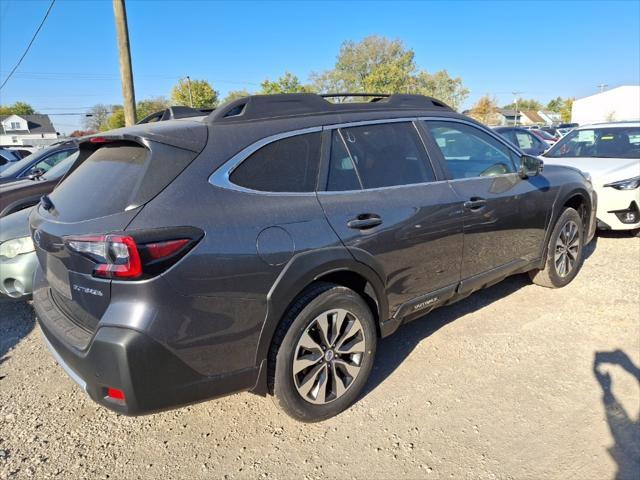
<point>268,245</point>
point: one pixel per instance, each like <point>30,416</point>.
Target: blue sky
<point>544,49</point>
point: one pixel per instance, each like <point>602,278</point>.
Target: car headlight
<point>15,247</point>
<point>628,184</point>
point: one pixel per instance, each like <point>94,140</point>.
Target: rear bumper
<point>151,377</point>
<point>16,275</point>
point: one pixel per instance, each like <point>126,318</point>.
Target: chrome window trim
<point>221,176</point>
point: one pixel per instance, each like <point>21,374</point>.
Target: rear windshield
<point>117,177</point>
<point>618,142</point>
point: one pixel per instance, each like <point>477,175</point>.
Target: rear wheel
<point>564,252</point>
<point>322,353</point>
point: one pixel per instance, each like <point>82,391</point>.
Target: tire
<point>332,381</point>
<point>635,232</point>
<point>558,270</point>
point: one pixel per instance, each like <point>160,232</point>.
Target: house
<point>36,130</point>
<point>530,117</point>
<point>620,103</point>
<point>508,117</point>
<point>549,117</point>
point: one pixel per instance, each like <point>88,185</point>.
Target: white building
<point>621,103</point>
<point>35,130</point>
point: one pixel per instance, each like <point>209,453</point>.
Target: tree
<point>555,105</point>
<point>379,65</point>
<point>485,110</point>
<point>115,120</point>
<point>98,116</point>
<point>149,106</point>
<point>235,94</point>
<point>287,83</point>
<point>565,110</point>
<point>204,96</point>
<point>18,108</point>
<point>525,104</point>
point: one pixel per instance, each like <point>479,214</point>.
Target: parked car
<point>20,194</point>
<point>544,136</point>
<point>268,245</point>
<point>551,131</point>
<point>610,154</point>
<point>7,157</point>
<point>38,163</point>
<point>18,259</point>
<point>563,131</point>
<point>524,139</point>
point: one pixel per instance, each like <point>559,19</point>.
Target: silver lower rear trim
<point>74,376</point>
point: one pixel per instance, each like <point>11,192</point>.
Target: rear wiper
<point>46,202</point>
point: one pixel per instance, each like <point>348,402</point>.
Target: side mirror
<point>530,166</point>
<point>36,173</point>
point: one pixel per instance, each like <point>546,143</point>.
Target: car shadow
<point>393,350</point>
<point>624,430</point>
<point>17,319</point>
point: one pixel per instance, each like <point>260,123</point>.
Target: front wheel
<point>322,353</point>
<point>564,252</point>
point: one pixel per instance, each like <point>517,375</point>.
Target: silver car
<point>18,259</point>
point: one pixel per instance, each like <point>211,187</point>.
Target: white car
<point>610,154</point>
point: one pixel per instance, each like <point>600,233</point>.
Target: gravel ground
<point>501,385</point>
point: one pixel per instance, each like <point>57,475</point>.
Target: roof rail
<point>174,112</point>
<point>263,107</point>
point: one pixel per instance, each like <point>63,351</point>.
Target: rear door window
<point>378,155</point>
<point>117,177</point>
<point>287,165</point>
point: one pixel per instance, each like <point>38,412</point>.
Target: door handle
<point>475,203</point>
<point>364,221</point>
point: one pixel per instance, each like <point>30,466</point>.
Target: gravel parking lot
<point>516,382</point>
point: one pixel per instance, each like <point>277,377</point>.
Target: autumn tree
<point>82,133</point>
<point>18,108</point>
<point>380,65</point>
<point>287,83</point>
<point>485,110</point>
<point>149,106</point>
<point>562,106</point>
<point>202,93</point>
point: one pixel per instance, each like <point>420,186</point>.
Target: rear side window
<point>287,165</point>
<point>380,155</point>
<point>117,177</point>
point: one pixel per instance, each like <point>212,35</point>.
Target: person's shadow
<point>624,430</point>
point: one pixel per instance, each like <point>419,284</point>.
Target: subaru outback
<point>270,244</point>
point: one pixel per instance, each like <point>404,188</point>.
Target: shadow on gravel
<point>624,430</point>
<point>17,319</point>
<point>393,350</point>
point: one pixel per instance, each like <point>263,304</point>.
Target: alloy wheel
<point>567,248</point>
<point>328,356</point>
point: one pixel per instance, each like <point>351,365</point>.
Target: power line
<point>29,45</point>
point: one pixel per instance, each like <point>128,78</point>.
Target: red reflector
<point>115,393</point>
<point>164,249</point>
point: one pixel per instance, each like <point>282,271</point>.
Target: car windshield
<point>61,168</point>
<point>615,142</point>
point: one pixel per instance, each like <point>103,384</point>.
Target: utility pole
<point>602,86</point>
<point>126,74</point>
<point>515,117</point>
<point>190,94</point>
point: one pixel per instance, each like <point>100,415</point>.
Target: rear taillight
<point>120,257</point>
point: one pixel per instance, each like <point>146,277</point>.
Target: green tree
<point>149,106</point>
<point>204,96</point>
<point>380,65</point>
<point>555,105</point>
<point>525,104</point>
<point>18,108</point>
<point>287,83</point>
<point>235,94</point>
<point>485,110</point>
<point>115,120</point>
